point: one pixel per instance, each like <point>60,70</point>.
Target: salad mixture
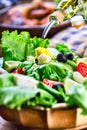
<point>36,75</point>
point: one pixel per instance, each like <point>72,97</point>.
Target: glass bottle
<point>65,9</point>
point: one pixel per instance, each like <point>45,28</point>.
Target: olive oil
<point>65,9</point>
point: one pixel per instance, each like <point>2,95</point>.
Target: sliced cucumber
<point>10,65</point>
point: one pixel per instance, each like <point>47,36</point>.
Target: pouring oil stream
<point>47,28</point>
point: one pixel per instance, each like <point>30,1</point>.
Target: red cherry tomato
<point>18,71</point>
<point>82,69</point>
<point>50,83</point>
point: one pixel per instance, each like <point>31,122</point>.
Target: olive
<point>36,61</point>
<point>69,56</point>
<point>61,58</point>
<point>57,86</point>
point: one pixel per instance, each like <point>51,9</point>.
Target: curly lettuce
<point>13,45</point>
<point>18,46</point>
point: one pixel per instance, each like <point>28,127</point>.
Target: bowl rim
<point>58,106</point>
<point>65,23</point>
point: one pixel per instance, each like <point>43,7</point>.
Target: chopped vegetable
<point>23,80</point>
<point>69,83</point>
<point>16,96</point>
<point>78,77</point>
<point>53,51</point>
<point>62,48</point>
<point>35,43</point>
<point>45,98</point>
<point>11,65</point>
<point>48,82</point>
<point>77,96</point>
<point>41,50</point>
<point>72,64</point>
<point>18,46</point>
<point>6,80</point>
<point>84,60</point>
<point>53,71</point>
<point>50,75</point>
<point>43,59</point>
<point>59,96</point>
<point>82,69</point>
<point>18,71</point>
<point>13,45</point>
<point>13,93</point>
<point>51,83</point>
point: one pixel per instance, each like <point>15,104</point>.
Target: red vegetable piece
<point>18,71</point>
<point>51,83</point>
<point>48,82</point>
<point>82,69</point>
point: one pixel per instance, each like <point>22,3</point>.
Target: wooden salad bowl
<point>59,117</point>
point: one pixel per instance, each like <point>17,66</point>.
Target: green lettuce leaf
<point>6,80</point>
<point>34,43</point>
<point>62,48</point>
<point>13,45</point>
<point>16,96</point>
<point>77,96</point>
<point>44,98</point>
<point>21,96</point>
<point>18,46</point>
<point>53,71</point>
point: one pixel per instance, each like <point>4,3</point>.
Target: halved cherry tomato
<point>82,69</point>
<point>48,82</point>
<point>18,71</point>
<point>51,83</point>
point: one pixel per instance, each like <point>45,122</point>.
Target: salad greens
<point>77,96</point>
<point>6,80</point>
<point>13,45</point>
<point>53,71</point>
<point>18,46</point>
<point>15,96</point>
<point>62,48</point>
<point>34,43</point>
<point>49,72</point>
<point>60,96</point>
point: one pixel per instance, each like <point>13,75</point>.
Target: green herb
<point>63,48</point>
